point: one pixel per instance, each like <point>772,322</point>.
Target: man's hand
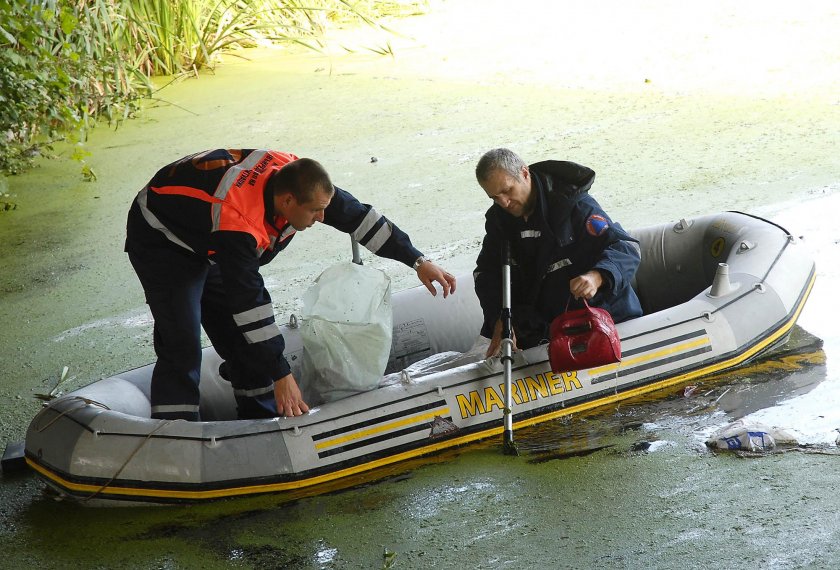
<point>586,285</point>
<point>428,273</point>
<point>288,397</point>
<point>496,341</point>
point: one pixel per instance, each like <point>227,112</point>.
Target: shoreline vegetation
<point>67,65</point>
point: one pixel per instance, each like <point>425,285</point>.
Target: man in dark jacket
<point>197,235</point>
<point>563,245</point>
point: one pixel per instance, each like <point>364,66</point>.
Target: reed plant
<point>67,64</point>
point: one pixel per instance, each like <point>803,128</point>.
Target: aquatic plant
<point>66,64</point>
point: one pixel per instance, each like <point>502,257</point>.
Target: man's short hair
<point>302,178</point>
<point>499,158</point>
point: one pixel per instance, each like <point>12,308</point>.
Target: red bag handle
<point>569,300</point>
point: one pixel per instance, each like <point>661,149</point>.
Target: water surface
<point>629,486</point>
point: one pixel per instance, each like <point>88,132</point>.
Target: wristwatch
<point>418,262</point>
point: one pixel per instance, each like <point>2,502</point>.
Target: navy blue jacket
<point>182,217</point>
<point>567,234</point>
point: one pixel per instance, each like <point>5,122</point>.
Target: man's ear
<point>282,201</point>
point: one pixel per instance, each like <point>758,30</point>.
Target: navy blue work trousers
<point>185,293</point>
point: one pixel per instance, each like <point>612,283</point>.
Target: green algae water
<point>630,486</point>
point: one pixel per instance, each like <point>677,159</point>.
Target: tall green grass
<point>67,64</point>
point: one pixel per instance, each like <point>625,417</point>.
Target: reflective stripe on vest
<point>241,193</point>
<point>153,221</point>
<point>188,191</point>
<point>237,204</point>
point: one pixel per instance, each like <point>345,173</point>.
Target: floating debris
<point>640,446</point>
<point>646,446</point>
<point>55,393</point>
<point>753,437</point>
<point>388,558</point>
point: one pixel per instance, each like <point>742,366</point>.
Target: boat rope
<point>129,458</point>
<point>84,402</point>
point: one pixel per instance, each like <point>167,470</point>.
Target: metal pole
<point>508,446</point>
<point>357,258</point>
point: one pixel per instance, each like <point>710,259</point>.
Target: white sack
<point>346,332</point>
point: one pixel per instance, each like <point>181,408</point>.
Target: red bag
<point>582,339</point>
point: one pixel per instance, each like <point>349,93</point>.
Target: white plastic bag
<point>346,332</point>
<point>754,436</point>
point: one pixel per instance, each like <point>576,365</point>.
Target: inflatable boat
<point>717,290</point>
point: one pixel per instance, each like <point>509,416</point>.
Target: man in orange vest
<point>197,235</point>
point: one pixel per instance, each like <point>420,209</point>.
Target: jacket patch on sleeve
<point>596,225</point>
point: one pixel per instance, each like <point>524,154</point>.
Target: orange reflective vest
<point>233,187</point>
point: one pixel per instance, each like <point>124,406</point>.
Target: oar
<point>508,447</point>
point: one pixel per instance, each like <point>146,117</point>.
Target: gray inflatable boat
<point>717,290</point>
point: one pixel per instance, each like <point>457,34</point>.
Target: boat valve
<point>721,286</point>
